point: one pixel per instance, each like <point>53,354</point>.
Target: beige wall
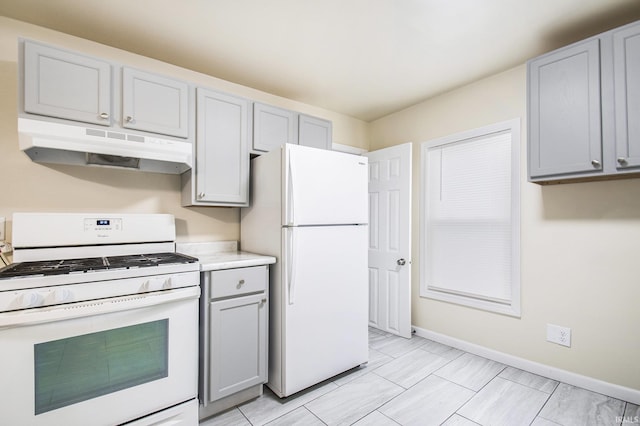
<point>579,248</point>
<point>28,186</point>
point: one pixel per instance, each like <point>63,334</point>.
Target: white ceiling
<point>363,58</point>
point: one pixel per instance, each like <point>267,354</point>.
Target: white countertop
<point>222,255</point>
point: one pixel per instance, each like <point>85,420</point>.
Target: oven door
<point>103,362</point>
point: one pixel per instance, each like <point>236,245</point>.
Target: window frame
<point>512,308</point>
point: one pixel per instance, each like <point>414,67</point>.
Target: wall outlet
<point>2,233</point>
<point>559,335</point>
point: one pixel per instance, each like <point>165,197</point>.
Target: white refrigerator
<point>309,209</point>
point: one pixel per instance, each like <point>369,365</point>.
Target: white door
<point>390,239</point>
<point>324,187</point>
<point>325,303</point>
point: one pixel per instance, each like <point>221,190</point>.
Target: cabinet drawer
<point>233,282</point>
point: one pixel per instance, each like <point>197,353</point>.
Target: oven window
<point>79,368</point>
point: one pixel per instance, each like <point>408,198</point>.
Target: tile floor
<point>422,382</point>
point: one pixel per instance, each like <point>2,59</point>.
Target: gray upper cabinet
<point>314,132</point>
<point>584,110</point>
<point>222,151</point>
<point>153,103</point>
<point>564,111</point>
<point>626,64</point>
<point>66,85</point>
<point>273,126</point>
<point>70,86</point>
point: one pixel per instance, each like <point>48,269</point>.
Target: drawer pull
<point>240,283</point>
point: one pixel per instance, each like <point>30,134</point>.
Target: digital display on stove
<point>103,222</point>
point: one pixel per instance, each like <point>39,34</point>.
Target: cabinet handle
<point>622,161</point>
<point>264,300</point>
<point>104,116</point>
<point>128,119</point>
<point>200,195</point>
<point>595,163</point>
<point>241,282</point>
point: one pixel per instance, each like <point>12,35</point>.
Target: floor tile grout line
<point>314,414</point>
<point>376,408</point>
<point>393,359</point>
<point>465,402</point>
<point>541,408</point>
<point>531,387</point>
<point>237,407</point>
<point>387,417</point>
<point>392,398</point>
<point>308,390</point>
<point>455,413</point>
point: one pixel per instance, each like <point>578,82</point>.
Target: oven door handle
<point>95,307</point>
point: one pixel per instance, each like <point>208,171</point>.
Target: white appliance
<point>309,209</point>
<point>60,143</point>
<point>98,322</point>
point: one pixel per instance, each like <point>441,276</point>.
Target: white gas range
<point>99,321</point>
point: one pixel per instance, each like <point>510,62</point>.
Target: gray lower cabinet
<point>584,110</point>
<point>274,126</point>
<point>235,312</point>
<point>221,174</point>
<point>154,103</point>
<point>66,85</point>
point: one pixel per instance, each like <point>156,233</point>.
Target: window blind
<point>468,217</point>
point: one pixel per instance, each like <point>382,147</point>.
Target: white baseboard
<point>585,382</point>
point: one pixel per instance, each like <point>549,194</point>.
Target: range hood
<point>52,142</point>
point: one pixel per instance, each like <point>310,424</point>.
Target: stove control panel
<point>103,225</point>
<point>46,297</point>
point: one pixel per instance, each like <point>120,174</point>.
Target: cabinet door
<point>238,346</point>
<point>314,132</point>
<point>626,57</point>
<point>154,104</point>
<point>222,148</point>
<point>272,127</point>
<point>66,85</point>
<point>564,111</point>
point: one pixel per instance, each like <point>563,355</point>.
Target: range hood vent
<point>49,142</point>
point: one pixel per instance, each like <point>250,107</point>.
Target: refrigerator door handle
<point>291,265</point>
<point>290,190</point>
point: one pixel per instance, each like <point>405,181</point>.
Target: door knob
<point>401,262</point>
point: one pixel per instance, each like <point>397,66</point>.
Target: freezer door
<point>325,304</point>
<point>323,187</point>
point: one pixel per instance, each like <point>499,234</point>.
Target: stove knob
<point>153,284</point>
<point>31,300</point>
<point>61,295</point>
<point>167,284</point>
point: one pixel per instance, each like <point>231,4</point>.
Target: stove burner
<point>90,264</point>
